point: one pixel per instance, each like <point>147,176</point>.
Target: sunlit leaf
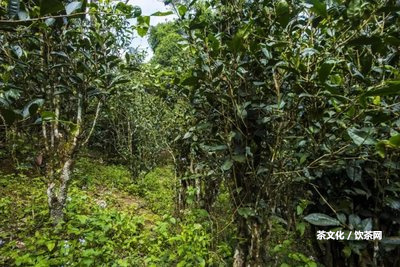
<point>72,7</point>
<point>321,219</point>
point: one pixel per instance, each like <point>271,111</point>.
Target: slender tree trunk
<point>57,192</point>
<point>248,252</point>
<point>57,198</point>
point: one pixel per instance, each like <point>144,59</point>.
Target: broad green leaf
<point>325,70</point>
<point>82,218</point>
<point>50,6</point>
<point>354,172</point>
<point>32,107</point>
<point>50,21</point>
<point>380,149</point>
<point>391,240</point>
<point>390,88</point>
<point>394,141</point>
<point>236,44</point>
<point>144,21</point>
<point>187,135</point>
<point>309,52</point>
<point>142,31</point>
<point>394,203</point>
<point>354,220</point>
<point>366,224</point>
<point>182,10</point>
<point>137,11</point>
<point>50,245</point>
<point>17,50</point>
<point>227,165</point>
<point>22,15</point>
<point>72,7</point>
<point>48,115</point>
<point>126,9</point>
<point>239,158</point>
<point>360,137</point>
<point>346,251</point>
<point>282,12</point>
<point>301,227</point>
<point>321,219</point>
<point>341,217</point>
<point>319,7</point>
<point>246,212</point>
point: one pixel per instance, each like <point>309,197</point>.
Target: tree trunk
<point>248,252</point>
<point>57,198</point>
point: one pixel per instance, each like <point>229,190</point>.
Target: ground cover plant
<point>260,133</point>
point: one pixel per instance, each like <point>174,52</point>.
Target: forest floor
<point>108,217</point>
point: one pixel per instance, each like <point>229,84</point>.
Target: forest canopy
<point>260,133</point>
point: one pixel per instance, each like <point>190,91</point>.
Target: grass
<point>106,220</point>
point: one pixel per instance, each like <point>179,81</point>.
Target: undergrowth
<point>111,220</point>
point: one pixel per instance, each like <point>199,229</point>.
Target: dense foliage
<point>254,125</point>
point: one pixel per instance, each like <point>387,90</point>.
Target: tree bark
<point>57,195</point>
<point>57,198</point>
<point>248,252</point>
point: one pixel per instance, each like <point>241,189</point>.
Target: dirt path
<point>124,202</point>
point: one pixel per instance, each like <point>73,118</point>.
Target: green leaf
<point>239,158</point>
<point>144,21</point>
<point>217,148</point>
<point>142,31</point>
<point>390,88</point>
<point>341,217</point>
<point>48,115</point>
<point>354,172</point>
<point>50,6</point>
<point>161,14</point>
<point>319,7</point>
<point>187,135</point>
<point>17,50</point>
<point>360,137</point>
<point>394,141</point>
<point>380,149</point>
<point>227,165</point>
<point>393,203</point>
<point>325,70</point>
<point>321,219</point>
<point>137,11</point>
<point>282,12</point>
<point>50,245</point>
<point>32,107</point>
<point>72,7</point>
<point>246,212</point>
<point>182,10</point>
<point>301,227</point>
<point>82,218</point>
<point>354,220</point>
<point>22,15</point>
<point>391,240</point>
<point>346,251</point>
<point>236,44</point>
